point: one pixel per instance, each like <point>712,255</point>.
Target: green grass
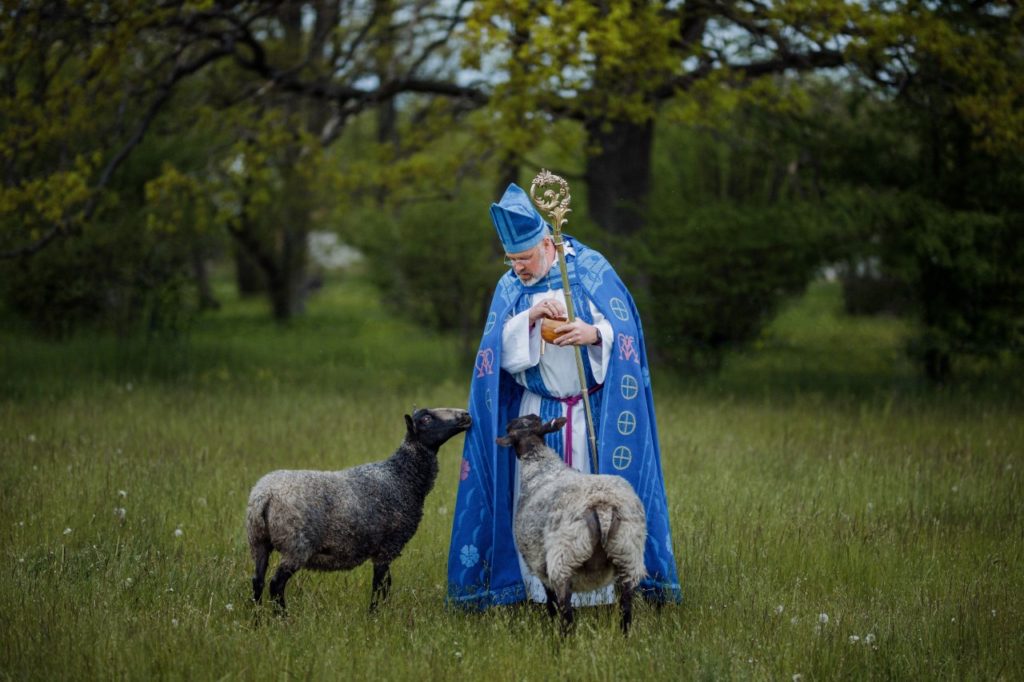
<point>816,475</point>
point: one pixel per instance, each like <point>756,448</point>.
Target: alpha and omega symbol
<point>626,423</point>
<point>484,362</point>
<point>622,457</point>
<point>619,309</point>
<point>630,387</point>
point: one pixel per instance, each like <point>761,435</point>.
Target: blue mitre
<point>519,225</point>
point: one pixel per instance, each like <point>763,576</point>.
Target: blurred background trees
<point>722,153</point>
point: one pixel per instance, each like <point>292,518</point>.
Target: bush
<point>116,278</point>
<point>718,274</point>
<point>436,262</point>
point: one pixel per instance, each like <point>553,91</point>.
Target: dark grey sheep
<point>336,520</point>
<point>577,532</point>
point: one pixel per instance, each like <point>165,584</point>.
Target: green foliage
<point>435,261</point>
<point>732,232</point>
<point>718,274</point>
<point>123,278</point>
<point>962,269</point>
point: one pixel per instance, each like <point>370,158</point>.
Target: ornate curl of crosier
<point>554,203</point>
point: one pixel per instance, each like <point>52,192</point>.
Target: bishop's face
<point>533,264</point>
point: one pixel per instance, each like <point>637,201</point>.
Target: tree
<point>83,84</point>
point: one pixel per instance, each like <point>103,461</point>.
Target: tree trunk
<point>618,176</point>
<point>207,299</point>
<point>249,276</point>
<point>618,181</point>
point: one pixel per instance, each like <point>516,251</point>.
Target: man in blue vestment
<point>516,372</point>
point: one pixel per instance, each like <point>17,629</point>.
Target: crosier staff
<point>556,204</point>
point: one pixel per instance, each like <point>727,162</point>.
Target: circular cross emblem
<point>630,387</point>
<point>622,457</point>
<point>619,309</point>
<point>487,401</point>
<point>626,422</point>
<point>491,319</point>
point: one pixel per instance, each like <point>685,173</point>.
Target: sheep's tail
<point>256,525</point>
<point>607,522</point>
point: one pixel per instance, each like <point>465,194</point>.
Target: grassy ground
<point>833,517</point>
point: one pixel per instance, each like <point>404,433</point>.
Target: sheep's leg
<point>550,601</point>
<point>563,595</point>
<point>281,576</point>
<point>381,584</point>
<point>261,557</point>
<point>626,589</point>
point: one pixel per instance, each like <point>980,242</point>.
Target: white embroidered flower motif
<point>469,556</point>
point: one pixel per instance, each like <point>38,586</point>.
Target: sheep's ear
<point>503,441</point>
<point>410,426</point>
<point>553,425</point>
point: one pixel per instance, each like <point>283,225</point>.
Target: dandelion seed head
<point>178,532</point>
<point>779,609</point>
<point>120,513</point>
<point>229,606</point>
<point>823,618</point>
<point>869,638</point>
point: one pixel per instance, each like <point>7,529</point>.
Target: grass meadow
<point>834,517</point>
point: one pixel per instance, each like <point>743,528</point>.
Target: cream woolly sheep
<point>577,532</point>
<point>336,520</point>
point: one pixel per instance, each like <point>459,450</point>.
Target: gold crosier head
<point>554,202</point>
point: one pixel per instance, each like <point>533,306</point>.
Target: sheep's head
<point>433,427</point>
<point>527,433</point>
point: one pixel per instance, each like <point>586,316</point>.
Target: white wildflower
<point>174,622</point>
<point>67,531</point>
<point>120,513</point>
<point>178,532</point>
<point>823,618</point>
<point>122,493</point>
<point>798,677</point>
<point>442,510</point>
<point>779,610</point>
<point>128,582</point>
<point>854,639</point>
<point>869,638</point>
<point>31,438</point>
<point>229,606</point>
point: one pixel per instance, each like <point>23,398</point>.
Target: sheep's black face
<point>434,427</point>
<point>527,432</point>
